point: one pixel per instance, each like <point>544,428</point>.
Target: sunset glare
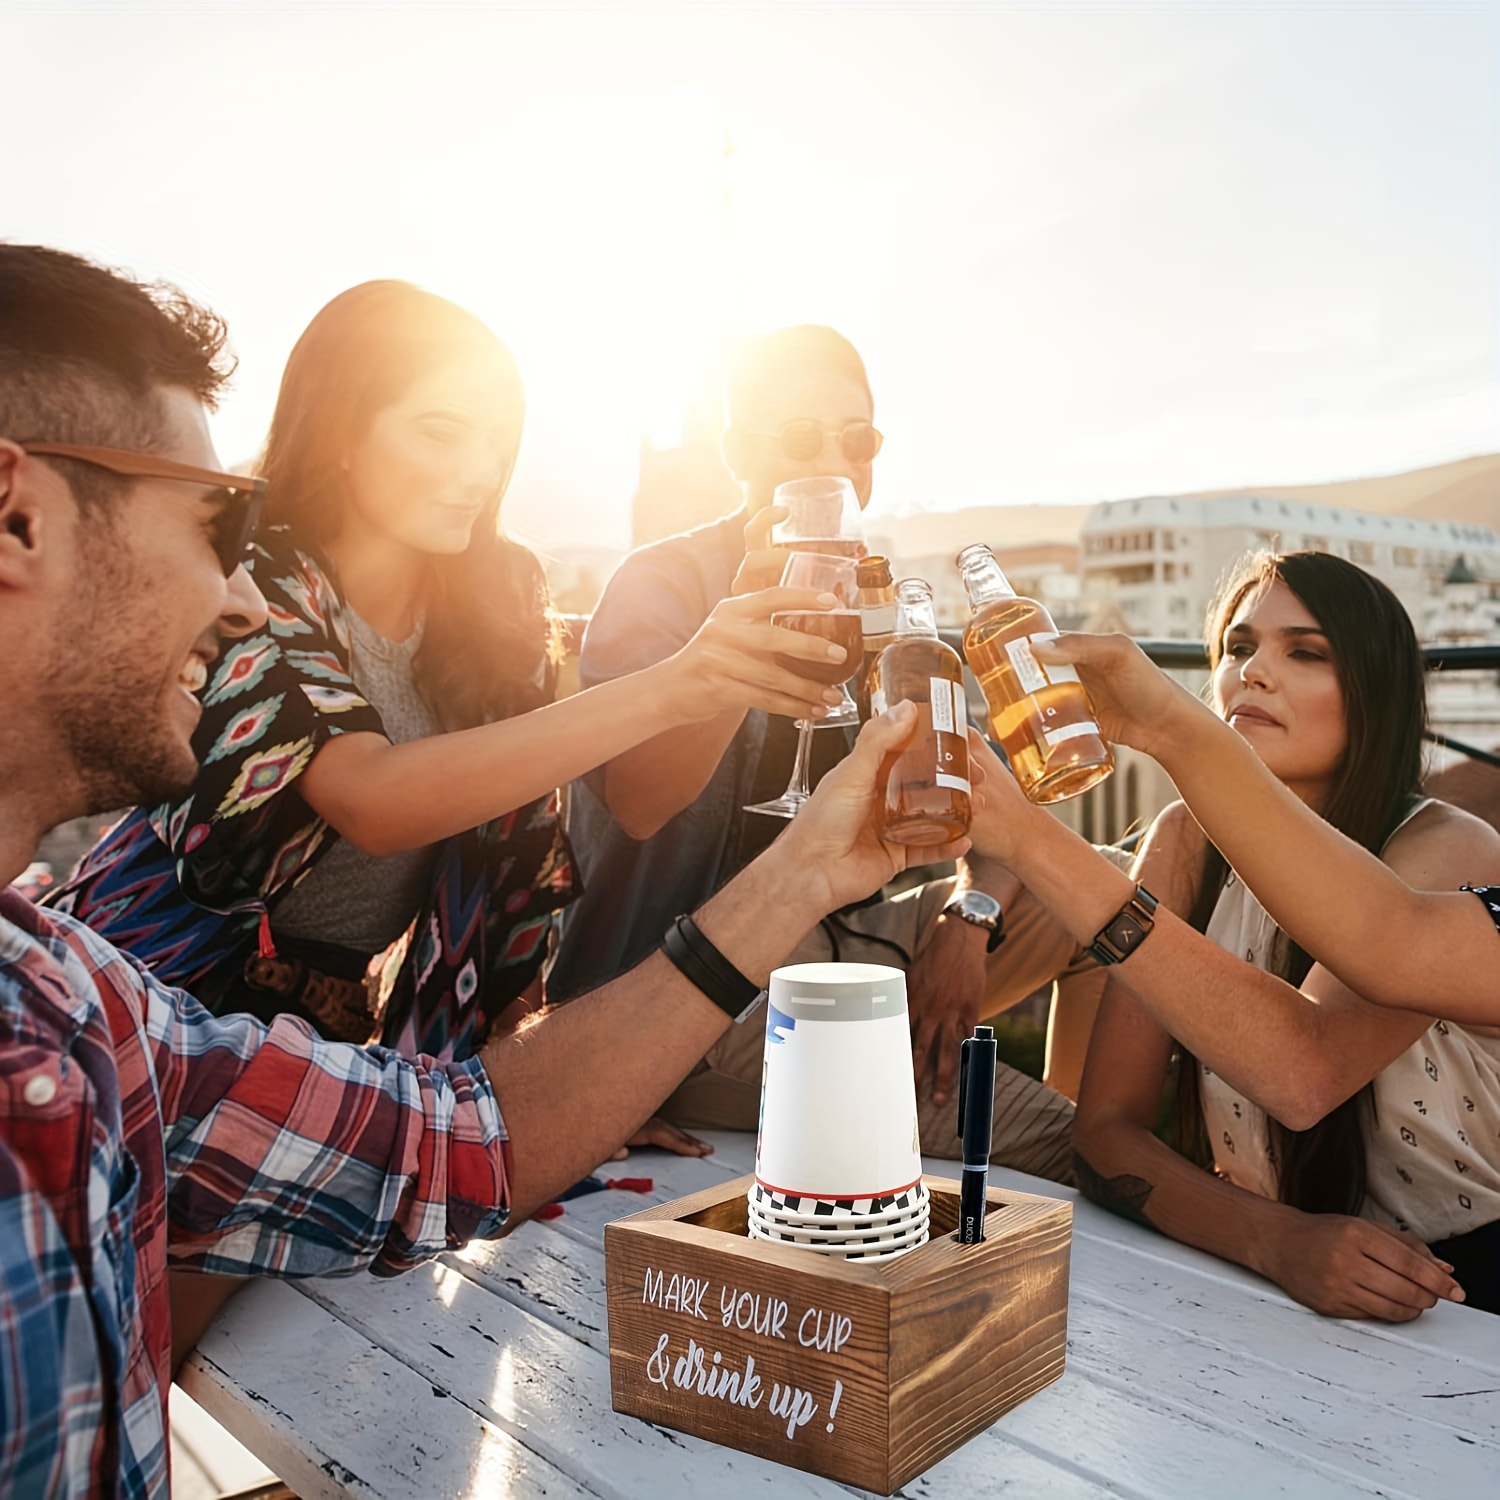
<point>1087,251</point>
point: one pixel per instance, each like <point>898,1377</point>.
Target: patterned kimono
<point>190,888</point>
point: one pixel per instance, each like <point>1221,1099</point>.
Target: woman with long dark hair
<point>1342,1149</point>
<point>373,840</point>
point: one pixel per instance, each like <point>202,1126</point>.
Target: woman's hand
<point>1136,702</point>
<point>731,662</point>
<point>833,853</point>
<point>1350,1268</point>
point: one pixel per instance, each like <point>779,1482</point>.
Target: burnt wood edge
<point>1010,1213</point>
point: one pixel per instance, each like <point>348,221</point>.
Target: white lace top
<point>1433,1148</point>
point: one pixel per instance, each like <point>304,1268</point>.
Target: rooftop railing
<point>1191,656</point>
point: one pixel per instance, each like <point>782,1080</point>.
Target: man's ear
<point>24,515</point>
<point>734,446</point>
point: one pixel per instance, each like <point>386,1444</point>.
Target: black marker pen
<point>976,1111</point>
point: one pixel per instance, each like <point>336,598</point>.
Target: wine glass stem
<point>803,764</point>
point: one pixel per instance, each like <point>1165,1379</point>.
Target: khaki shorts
<point>1033,1124</point>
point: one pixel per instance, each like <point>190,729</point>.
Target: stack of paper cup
<point>837,1167</point>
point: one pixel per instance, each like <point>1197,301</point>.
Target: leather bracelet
<point>704,967</point>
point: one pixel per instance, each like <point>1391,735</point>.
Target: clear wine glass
<point>824,516</point>
<point>827,574</point>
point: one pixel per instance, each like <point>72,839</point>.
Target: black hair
<point>84,349</point>
<point>1380,673</point>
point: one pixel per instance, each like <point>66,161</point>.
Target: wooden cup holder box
<point>863,1373</point>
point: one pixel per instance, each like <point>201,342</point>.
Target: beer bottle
<point>877,612</point>
<point>1040,715</point>
<point>926,786</point>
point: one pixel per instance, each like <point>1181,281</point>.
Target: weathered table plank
<point>1186,1376</point>
<point>335,1415</point>
<point>534,1382</point>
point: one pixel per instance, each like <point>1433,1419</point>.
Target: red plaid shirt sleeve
<point>288,1155</point>
<point>138,1129</point>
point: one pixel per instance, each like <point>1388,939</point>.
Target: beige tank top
<point>1433,1147</point>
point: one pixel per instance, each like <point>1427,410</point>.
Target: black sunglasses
<point>238,498</point>
<point>803,439</point>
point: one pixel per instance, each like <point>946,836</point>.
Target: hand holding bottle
<point>926,787</point>
<point>1136,702</point>
<point>1043,718</point>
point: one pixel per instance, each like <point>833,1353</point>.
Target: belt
<point>341,1007</point>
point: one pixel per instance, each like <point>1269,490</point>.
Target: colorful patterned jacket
<point>187,888</point>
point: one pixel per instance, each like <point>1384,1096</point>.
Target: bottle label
<point>949,722</point>
<point>947,705</point>
<point>878,619</point>
<point>1032,674</point>
<point>1070,732</point>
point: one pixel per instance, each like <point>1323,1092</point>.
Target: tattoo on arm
<point>1124,1195</point>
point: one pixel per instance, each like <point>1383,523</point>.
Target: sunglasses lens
<point>802,440</point>
<point>234,529</point>
<point>861,442</point>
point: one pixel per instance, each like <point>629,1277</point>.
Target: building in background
<point>1159,560</point>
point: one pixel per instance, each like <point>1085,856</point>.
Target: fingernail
<point>819,712</point>
<point>1458,1295</point>
<point>828,599</point>
<point>836,653</point>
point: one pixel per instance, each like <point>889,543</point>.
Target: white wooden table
<point>487,1373</point>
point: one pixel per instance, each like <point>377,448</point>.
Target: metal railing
<point>1191,656</point>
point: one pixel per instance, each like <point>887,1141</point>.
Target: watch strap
<point>1127,929</point>
<point>703,966</point>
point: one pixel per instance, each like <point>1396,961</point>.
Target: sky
<point>1088,251</point>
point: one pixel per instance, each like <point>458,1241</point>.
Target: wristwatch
<point>979,910</point>
<point>1127,930</point>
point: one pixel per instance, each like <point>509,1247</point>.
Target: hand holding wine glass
<point>829,575</point>
<point>740,659</point>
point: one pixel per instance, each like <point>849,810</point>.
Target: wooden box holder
<point>863,1373</point>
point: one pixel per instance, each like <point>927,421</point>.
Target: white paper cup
<point>909,1206</point>
<point>838,1108</point>
<point>801,1234</point>
<point>857,1249</point>
<point>892,1205</point>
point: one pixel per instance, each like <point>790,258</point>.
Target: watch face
<point>1125,932</point>
<point>978,904</point>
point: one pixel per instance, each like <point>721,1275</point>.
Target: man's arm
<point>651,783</point>
<point>647,786</point>
<point>575,1082</point>
<point>1393,945</point>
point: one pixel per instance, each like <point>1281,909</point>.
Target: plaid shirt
<point>138,1130</point>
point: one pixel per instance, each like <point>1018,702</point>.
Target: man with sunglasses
<point>137,1131</point>
<point>661,828</point>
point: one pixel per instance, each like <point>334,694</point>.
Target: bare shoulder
<point>1175,832</point>
<point>1443,847</point>
<point>1170,861</point>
